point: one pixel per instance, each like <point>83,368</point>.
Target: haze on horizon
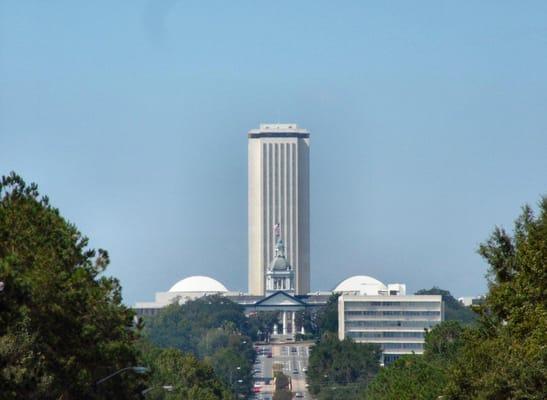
<point>428,128</point>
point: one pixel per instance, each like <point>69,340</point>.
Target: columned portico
<point>286,305</point>
<point>291,328</point>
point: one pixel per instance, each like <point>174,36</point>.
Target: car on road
<point>304,369</point>
<point>298,395</point>
<point>295,371</point>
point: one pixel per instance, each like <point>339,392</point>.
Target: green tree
<point>412,377</point>
<point>341,368</point>
<point>62,322</point>
<point>183,326</point>
<point>506,356</point>
<point>261,324</point>
<point>233,368</point>
<point>212,328</point>
<point>444,341</point>
<point>190,378</point>
<point>282,390</point>
<point>420,377</point>
<point>454,310</point>
<point>327,317</point>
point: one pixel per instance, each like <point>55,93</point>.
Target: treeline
<point>498,353</point>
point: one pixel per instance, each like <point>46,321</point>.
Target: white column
<point>284,322</point>
<point>293,327</point>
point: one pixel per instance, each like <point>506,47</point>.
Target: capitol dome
<point>364,285</point>
<point>280,263</point>
<point>198,283</point>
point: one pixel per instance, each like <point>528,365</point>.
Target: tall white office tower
<point>279,202</point>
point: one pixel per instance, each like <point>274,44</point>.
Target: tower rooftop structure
<point>279,130</point>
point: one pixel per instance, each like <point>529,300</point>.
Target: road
<point>292,357</point>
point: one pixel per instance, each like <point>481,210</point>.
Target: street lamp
<point>137,370</point>
<point>232,380</point>
<point>167,388</point>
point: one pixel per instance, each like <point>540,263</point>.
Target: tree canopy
<point>190,378</point>
<point>420,377</point>
<point>506,357</point>
<point>327,318</point>
<point>453,309</point>
<point>411,377</point>
<point>62,322</point>
<point>341,369</point>
<point>212,328</point>
<point>504,354</point>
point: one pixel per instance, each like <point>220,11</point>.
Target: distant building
<point>369,312</point>
<point>279,270</point>
<point>286,303</point>
<point>279,200</point>
<point>471,300</point>
<point>367,286</point>
<point>190,288</point>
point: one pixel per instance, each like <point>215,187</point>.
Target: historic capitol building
<point>279,259</point>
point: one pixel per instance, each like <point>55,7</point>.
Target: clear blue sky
<point>428,121</point>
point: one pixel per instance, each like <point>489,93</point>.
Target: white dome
<point>198,284</point>
<point>363,284</point>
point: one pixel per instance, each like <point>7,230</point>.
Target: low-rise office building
<point>397,323</point>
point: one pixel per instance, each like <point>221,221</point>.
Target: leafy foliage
<point>504,354</point>
<point>506,357</point>
<point>327,318</point>
<point>212,328</point>
<point>282,388</point>
<point>190,378</point>
<point>409,378</point>
<point>454,310</point>
<point>62,323</point>
<point>444,341</point>
<point>417,377</point>
<point>260,325</point>
<point>340,369</point>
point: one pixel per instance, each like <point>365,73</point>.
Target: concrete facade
<point>278,196</point>
<point>396,323</point>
